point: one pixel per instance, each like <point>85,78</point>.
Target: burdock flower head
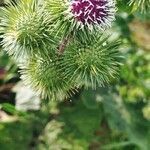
<point>92,13</point>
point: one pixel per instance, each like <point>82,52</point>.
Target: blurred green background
<point>116,117</point>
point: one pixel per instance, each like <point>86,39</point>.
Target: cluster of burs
<point>61,45</point>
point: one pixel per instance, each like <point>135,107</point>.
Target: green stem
<point>63,44</point>
<point>117,145</point>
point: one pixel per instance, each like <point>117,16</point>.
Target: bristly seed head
<point>93,12</point>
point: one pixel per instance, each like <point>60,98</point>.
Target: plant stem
<point>63,44</point>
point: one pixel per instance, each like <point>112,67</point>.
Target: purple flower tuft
<point>91,12</point>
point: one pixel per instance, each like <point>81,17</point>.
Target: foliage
<point>114,117</point>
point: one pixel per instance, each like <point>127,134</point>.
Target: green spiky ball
<point>47,78</point>
<point>142,5</point>
<point>94,64</point>
<point>25,28</point>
